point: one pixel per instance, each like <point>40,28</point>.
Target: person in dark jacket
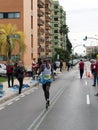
<point>81,68</point>
<point>10,73</point>
<point>93,71</point>
<point>20,74</point>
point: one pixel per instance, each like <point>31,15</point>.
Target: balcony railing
<point>40,22</point>
<point>40,31</point>
<point>48,18</point>
<point>47,11</point>
<point>40,13</point>
<point>41,4</point>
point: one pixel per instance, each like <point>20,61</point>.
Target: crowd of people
<point>93,69</point>
<point>46,68</point>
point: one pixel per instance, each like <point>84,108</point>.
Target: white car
<point>3,70</point>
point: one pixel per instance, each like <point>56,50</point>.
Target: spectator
<point>61,65</point>
<point>34,67</point>
<point>93,71</point>
<point>20,70</point>
<point>10,73</point>
<point>81,68</point>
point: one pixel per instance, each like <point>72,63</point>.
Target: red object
<point>10,69</point>
<point>93,66</point>
<point>81,65</point>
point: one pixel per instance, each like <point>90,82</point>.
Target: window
<point>55,19</point>
<point>55,31</point>
<point>9,15</point>
<point>2,58</point>
<point>56,6</point>
<point>55,37</point>
<point>1,15</point>
<point>55,25</point>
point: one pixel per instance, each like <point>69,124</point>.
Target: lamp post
<point>86,37</point>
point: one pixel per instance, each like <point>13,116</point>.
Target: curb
<point>16,94</point>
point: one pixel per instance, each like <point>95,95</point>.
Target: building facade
<point>33,18</point>
<point>58,19</point>
<point>40,20</point>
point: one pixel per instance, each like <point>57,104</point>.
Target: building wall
<point>23,23</point>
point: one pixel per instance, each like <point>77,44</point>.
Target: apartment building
<point>91,50</point>
<point>58,19</point>
<point>33,18</point>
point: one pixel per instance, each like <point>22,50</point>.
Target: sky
<point>82,20</point>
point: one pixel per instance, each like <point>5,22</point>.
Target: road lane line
<point>86,83</point>
<point>88,99</point>
<point>36,123</point>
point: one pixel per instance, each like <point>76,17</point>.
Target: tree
<point>63,54</point>
<point>9,37</point>
<point>64,30</point>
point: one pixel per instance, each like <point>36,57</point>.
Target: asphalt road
<point>73,106</point>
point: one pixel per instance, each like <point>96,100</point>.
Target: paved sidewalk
<point>8,93</point>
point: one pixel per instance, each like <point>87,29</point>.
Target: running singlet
<point>46,75</point>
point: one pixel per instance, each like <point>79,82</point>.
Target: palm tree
<point>9,37</point>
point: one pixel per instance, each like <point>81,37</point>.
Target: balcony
<point>47,26</point>
<point>47,34</point>
<point>40,13</point>
<point>41,40</point>
<point>41,4</point>
<point>48,1</point>
<point>40,22</point>
<point>41,50</point>
<point>40,31</point>
<point>48,18</point>
<point>47,11</point>
<point>47,42</point>
<point>48,50</point>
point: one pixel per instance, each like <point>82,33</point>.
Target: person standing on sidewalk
<point>20,72</point>
<point>61,65</point>
<point>10,73</point>
<point>81,68</point>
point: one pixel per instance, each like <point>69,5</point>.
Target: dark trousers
<point>10,78</point>
<point>95,78</point>
<point>46,88</point>
<point>20,84</point>
<point>81,73</point>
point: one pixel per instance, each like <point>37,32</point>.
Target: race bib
<point>47,76</point>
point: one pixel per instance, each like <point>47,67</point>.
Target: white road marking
<point>10,103</point>
<point>86,83</point>
<point>1,108</point>
<point>88,99</point>
<point>44,113</point>
<point>17,99</point>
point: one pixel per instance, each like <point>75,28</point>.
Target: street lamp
<point>86,37</point>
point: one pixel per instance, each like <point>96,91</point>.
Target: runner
<point>46,80</point>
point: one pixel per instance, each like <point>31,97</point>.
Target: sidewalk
<point>9,92</point>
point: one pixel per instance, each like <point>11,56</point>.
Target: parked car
<point>3,70</point>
